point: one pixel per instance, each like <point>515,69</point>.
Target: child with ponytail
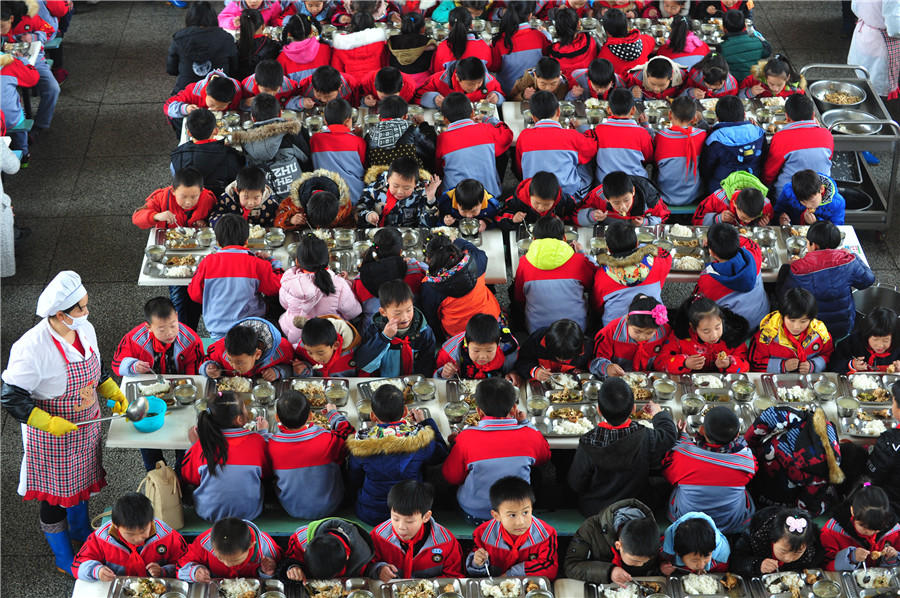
<point>310,289</point>
<point>460,43</point>
<point>778,539</point>
<point>517,46</point>
<point>226,462</point>
<point>707,338</point>
<point>683,45</point>
<point>710,78</point>
<point>411,51</point>
<point>230,16</point>
<point>253,44</point>
<point>776,78</point>
<point>302,53</point>
<point>863,531</point>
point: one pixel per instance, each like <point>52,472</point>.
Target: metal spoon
<point>487,567</point>
<point>136,411</point>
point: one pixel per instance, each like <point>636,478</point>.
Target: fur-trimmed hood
<point>351,41</point>
<point>33,8</point>
<point>267,128</point>
<point>392,439</point>
<point>605,259</point>
<point>757,71</point>
<point>319,180</point>
<point>820,425</point>
<point>631,270</point>
<point>376,171</point>
<point>6,59</point>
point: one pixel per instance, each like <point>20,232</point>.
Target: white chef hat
<point>63,292</point>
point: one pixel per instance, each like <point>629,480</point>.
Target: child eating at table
<point>873,346</point>
<point>792,339</point>
<point>534,198</point>
<point>596,81</point>
<point>468,76</point>
<point>734,144</point>
<point>693,543</point>
<point>411,544</point>
<point>513,542</point>
<point>486,349</point>
<point>253,347</point>
<point>306,459</point>
<point>468,199</point>
<point>809,197</point>
<point>399,341</point>
<point>633,342</point>
<point>230,549</point>
<point>677,150</point>
<point>248,197</point>
<point>659,78</point>
<point>216,91</point>
<point>558,348</point>
<point>216,162</point>
<point>884,465</point>
<point>324,85</point>
<point>397,134</point>
<point>545,76</point>
<point>863,532</point>
<point>624,196</point>
<point>399,195</point>
<point>778,539</point>
<point>132,543</point>
<point>707,337</point>
<point>337,149</point>
<point>776,78</point>
<point>326,549</point>
<point>327,348</point>
<point>747,206</point>
<point>183,203</point>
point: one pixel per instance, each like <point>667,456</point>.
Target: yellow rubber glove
<point>110,390</point>
<point>58,426</point>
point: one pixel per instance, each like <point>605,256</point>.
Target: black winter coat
<point>195,51</point>
<point>217,162</point>
<point>884,466</point>
<point>754,546</point>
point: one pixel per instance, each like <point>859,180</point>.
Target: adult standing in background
<point>876,44</point>
<point>50,384</point>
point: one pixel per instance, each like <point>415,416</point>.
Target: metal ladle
<point>136,411</point>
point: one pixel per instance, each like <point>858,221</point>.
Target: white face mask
<point>77,322</point>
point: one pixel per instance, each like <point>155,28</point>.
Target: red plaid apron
<point>66,470</point>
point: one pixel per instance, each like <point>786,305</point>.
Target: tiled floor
<point>107,150</point>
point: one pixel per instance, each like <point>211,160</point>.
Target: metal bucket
<point>857,200</point>
<point>877,295</point>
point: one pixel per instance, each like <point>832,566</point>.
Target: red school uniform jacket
<point>200,554</point>
<point>283,354</point>
<point>614,345</point>
<point>532,554</point>
<point>163,200</point>
<point>361,53</point>
<point>677,155</point>
<point>710,210</point>
<point>647,203</point>
<point>33,24</point>
<point>367,87</point>
<point>195,94</point>
<point>551,148</point>
<point>677,349</point>
<point>342,363</point>
<point>840,540</point>
<point>104,548</point>
<point>772,345</point>
<point>468,149</point>
<point>626,52</point>
<point>182,356</point>
<point>527,46</point>
<point>475,46</point>
<point>289,88</point>
<point>436,552</point>
<point>574,56</point>
<point>445,82</point>
<point>300,59</point>
<point>346,91</point>
<point>695,80</point>
<point>455,350</point>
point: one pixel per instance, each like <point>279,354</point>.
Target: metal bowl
<point>469,227</point>
<point>826,588</point>
<point>337,392</point>
<point>743,391</point>
<point>853,122</point>
<point>275,237</point>
<point>522,245</point>
<point>795,245</point>
<point>692,404</point>
<point>818,90</point>
<point>263,393</point>
<point>537,405</point>
<point>410,238</point>
<point>766,237</point>
<point>185,393</point>
<point>762,403</point>
<point>206,236</point>
<point>156,253</point>
<point>456,411</point>
<point>846,406</point>
<point>588,24</point>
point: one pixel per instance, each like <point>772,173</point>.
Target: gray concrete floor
<point>108,149</point>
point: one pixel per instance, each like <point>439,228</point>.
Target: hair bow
<point>796,524</point>
<point>658,313</point>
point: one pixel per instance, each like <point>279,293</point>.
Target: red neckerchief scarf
<point>689,151</point>
<point>552,365</point>
<point>621,426</point>
<point>160,349</point>
<point>726,8</point>
<point>873,356</point>
<point>617,558</point>
<point>389,204</point>
<point>406,354</point>
<point>515,543</point>
<point>340,538</point>
<point>326,367</point>
<point>777,560</point>
<point>471,370</point>
<point>245,213</point>
<point>409,553</point>
<point>796,342</point>
<point>135,564</point>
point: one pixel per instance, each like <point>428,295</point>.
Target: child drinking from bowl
<point>707,338</point>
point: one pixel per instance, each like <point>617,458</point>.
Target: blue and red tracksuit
<point>613,344</point>
<point>801,145</point>
<point>751,80</point>
<point>567,153</point>
<point>528,46</point>
<point>647,203</point>
<point>306,464</point>
<point>619,280</point>
<point>577,55</point>
<point>229,284</point>
<point>520,201</point>
<point>737,283</point>
<point>710,209</point>
<point>373,274</point>
<point>711,479</point>
<point>17,72</point>
<point>337,149</point>
<point>580,78</point>
<point>475,46</point>
<point>677,349</point>
<point>695,81</point>
<point>347,91</point>
<point>455,350</point>
<point>433,552</point>
<point>677,156</point>
<point>235,490</point>
<point>200,554</point>
<point>495,448</point>
<point>468,150</point>
<point>195,94</point>
<point>289,88</point>
<point>446,82</point>
<point>840,541</point>
<point>447,206</point>
<point>277,355</point>
<point>532,554</point>
<point>624,145</point>
<point>183,355</point>
<point>367,87</point>
<point>635,77</point>
<point>342,363</point>
<point>106,548</point>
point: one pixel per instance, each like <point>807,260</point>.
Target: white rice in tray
<point>257,232</point>
<point>447,231</point>
<point>234,383</point>
<point>644,422</point>
<point>508,588</point>
<point>873,578</point>
<point>564,426</point>
<point>157,388</point>
<point>680,230</point>
<point>865,382</point>
<point>179,272</point>
<point>701,584</point>
<point>376,384</point>
<point>629,591</point>
<point>796,393</point>
<point>306,386</point>
<point>872,428</point>
<point>238,588</point>
<point>708,381</point>
<point>688,262</point>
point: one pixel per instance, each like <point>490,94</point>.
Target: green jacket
<point>741,179</point>
<point>742,51</point>
<point>590,554</point>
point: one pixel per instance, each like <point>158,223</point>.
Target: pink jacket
<point>301,297</point>
<point>270,11</point>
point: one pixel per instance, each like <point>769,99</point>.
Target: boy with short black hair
<point>229,282</point>
<point>676,153</point>
<point>486,349</point>
<point>560,347</point>
<point>324,85</point>
<point>733,144</point>
<point>613,461</point>
<point>216,161</point>
<point>397,196</point>
<point>469,148</point>
<point>252,347</point>
<point>502,441</point>
<point>268,78</point>
<point>327,348</point>
<point>390,451</point>
<point>326,549</point>
<point>411,544</point>
<point>318,199</point>
<point>215,91</point>
<point>514,542</point>
<point>624,196</point>
<point>399,340</point>
<point>468,76</point>
<point>306,459</point>
<point>249,197</point>
<point>659,78</point>
<point>694,543</point>
<point>617,544</point>
<point>710,474</point>
<point>468,200</point>
<point>384,83</point>
<point>745,205</point>
<point>232,548</point>
<point>550,147</point>
<point>622,144</point>
<point>596,81</point>
<point>396,135</point>
<point>132,543</point>
<point>337,149</point>
<point>536,197</point>
<point>545,76</point>
<point>184,203</point>
<point>810,197</point>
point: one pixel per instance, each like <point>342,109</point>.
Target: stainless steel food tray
<point>760,584</point>
<point>595,590</point>
<point>284,385</point>
<point>885,381</point>
<point>473,586</point>
<point>742,590</point>
<point>852,426</point>
<point>744,411</point>
<point>118,587</point>
<point>132,389</point>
